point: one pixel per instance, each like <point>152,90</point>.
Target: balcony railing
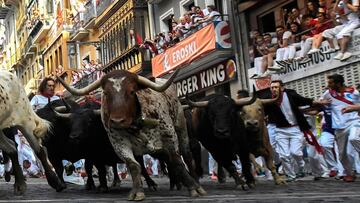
<point>103,4</point>
<point>90,12</point>
<point>87,79</point>
<point>78,22</point>
<point>36,28</point>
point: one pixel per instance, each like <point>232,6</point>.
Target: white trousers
<point>290,142</point>
<point>306,46</point>
<point>346,137</point>
<point>331,152</point>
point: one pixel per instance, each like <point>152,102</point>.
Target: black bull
<point>220,129</point>
<point>80,134</point>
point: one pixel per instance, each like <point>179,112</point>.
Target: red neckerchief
<point>340,95</point>
<point>47,95</point>
<point>279,101</point>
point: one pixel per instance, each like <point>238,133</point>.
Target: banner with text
<point>210,77</point>
<point>205,40</point>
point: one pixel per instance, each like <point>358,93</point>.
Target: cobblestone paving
<point>305,190</point>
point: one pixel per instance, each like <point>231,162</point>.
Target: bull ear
<point>157,87</point>
<point>80,92</point>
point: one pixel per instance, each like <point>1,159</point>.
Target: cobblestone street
<point>304,190</point>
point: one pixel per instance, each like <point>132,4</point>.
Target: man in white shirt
<point>346,125</point>
<point>46,92</point>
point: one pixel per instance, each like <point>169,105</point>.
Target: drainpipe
<point>78,57</point>
<point>151,19</point>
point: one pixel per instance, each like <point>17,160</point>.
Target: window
<point>185,5</point>
<point>60,56</point>
<point>267,22</point>
<point>164,20</point>
<point>50,6</point>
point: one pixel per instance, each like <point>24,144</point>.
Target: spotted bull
<point>219,128</point>
<point>129,100</point>
<point>15,110</point>
<point>257,134</point>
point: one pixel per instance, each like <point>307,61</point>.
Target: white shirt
<point>351,16</point>
<point>39,101</point>
<point>287,111</point>
<point>215,16</point>
<point>286,35</point>
<point>339,120</point>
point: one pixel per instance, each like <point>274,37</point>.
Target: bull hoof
<point>54,181</point>
<point>102,189</point>
<point>279,180</point>
<point>7,176</point>
<point>116,184</point>
<point>201,191</point>
<point>19,188</point>
<point>251,184</point>
<point>153,187</point>
<point>136,196</point>
<point>194,193</point>
<point>242,187</point>
<point>221,180</point>
<point>90,186</point>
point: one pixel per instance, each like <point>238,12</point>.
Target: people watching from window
<point>349,18</point>
<point>283,37</point>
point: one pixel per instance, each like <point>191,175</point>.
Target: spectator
<point>350,20</point>
<point>283,37</point>
<point>294,43</point>
<point>312,9</point>
<point>213,14</point>
<point>182,28</point>
<point>306,39</point>
<point>320,25</point>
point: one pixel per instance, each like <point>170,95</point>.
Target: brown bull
<point>254,120</point>
<point>127,101</point>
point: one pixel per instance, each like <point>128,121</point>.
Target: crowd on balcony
<point>193,20</point>
<point>302,34</point>
<point>92,69</point>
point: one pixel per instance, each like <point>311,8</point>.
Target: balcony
<point>102,5</point>
<point>40,30</point>
<point>79,32</point>
<point>89,15</point>
<point>319,65</point>
<point>30,48</point>
<point>210,44</point>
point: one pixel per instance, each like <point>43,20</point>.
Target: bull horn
<point>62,115</point>
<point>185,106</point>
<point>247,100</point>
<point>157,87</point>
<point>197,104</point>
<point>61,109</point>
<point>80,92</point>
<point>97,112</point>
<point>270,101</point>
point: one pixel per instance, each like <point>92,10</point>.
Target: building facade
<point>307,79</point>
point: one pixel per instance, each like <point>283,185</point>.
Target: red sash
<point>340,95</point>
<point>309,135</point>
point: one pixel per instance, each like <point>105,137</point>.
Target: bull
<point>15,110</point>
<point>219,128</point>
<point>128,99</point>
<point>258,136</point>
<point>76,135</point>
